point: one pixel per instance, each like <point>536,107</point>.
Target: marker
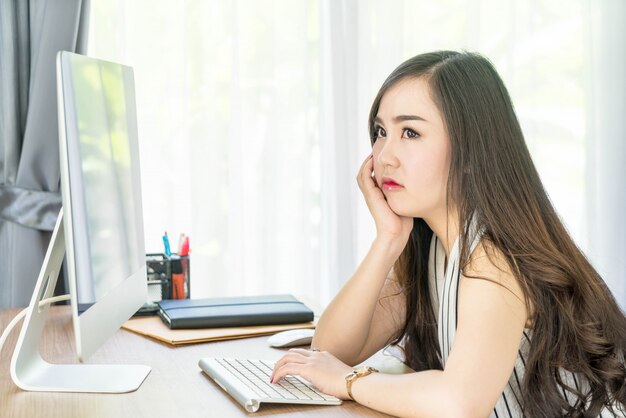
<point>166,244</point>
<point>184,248</point>
<point>178,286</point>
<point>178,279</point>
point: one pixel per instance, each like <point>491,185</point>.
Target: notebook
<point>233,312</point>
<point>153,327</point>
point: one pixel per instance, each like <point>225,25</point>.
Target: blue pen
<point>166,243</point>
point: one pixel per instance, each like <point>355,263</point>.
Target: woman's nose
<point>388,154</point>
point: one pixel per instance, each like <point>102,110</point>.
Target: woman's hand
<point>390,226</point>
<point>321,368</point>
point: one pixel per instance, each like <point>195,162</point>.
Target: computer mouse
<point>291,338</point>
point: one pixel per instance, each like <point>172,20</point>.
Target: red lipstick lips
<point>390,184</point>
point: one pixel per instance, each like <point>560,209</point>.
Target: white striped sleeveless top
<point>444,284</point>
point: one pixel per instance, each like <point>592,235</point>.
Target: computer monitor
<point>99,230</point>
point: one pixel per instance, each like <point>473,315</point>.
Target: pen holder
<point>168,277</point>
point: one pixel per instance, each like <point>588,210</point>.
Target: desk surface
<point>175,387</point>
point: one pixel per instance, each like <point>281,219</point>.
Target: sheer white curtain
<point>252,118</point>
<point>228,99</point>
<point>605,191</point>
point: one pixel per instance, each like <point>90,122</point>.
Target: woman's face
<point>412,150</point>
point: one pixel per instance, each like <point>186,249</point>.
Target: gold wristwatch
<point>356,373</point>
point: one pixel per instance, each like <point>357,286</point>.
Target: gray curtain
<point>31,34</point>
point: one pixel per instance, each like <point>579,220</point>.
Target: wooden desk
<point>175,387</point>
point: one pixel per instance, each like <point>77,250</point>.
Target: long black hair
<point>576,323</point>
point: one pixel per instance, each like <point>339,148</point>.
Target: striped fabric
<point>444,284</point>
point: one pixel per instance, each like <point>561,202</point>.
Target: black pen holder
<point>168,277</point>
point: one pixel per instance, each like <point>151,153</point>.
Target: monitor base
<point>28,369</point>
<point>91,378</point>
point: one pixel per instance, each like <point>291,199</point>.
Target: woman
<point>471,272</point>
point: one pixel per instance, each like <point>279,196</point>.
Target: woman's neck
<point>446,226</point>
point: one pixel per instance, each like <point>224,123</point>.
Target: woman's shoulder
<point>487,258</point>
<point>488,262</point>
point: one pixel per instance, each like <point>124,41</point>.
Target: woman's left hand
<point>321,368</point>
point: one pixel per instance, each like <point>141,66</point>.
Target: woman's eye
<point>379,132</point>
<point>410,133</point>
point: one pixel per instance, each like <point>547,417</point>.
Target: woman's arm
<point>491,321</point>
<point>367,313</point>
<point>368,310</point>
<point>492,316</point>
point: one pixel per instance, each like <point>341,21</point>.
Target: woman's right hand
<point>390,227</point>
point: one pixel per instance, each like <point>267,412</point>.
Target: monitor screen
<point>101,190</point>
<point>106,204</point>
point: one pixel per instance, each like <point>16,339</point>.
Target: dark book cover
<point>233,311</point>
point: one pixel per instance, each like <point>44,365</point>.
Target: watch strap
<point>354,375</point>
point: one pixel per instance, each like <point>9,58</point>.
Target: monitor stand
<point>31,372</point>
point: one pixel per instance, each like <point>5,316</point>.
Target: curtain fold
<point>605,198</point>
<point>14,76</point>
<point>35,209</point>
<point>32,32</point>
<point>338,145</point>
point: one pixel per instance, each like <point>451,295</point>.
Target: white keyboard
<point>248,382</point>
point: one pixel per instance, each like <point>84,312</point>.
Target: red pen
<point>184,249</point>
